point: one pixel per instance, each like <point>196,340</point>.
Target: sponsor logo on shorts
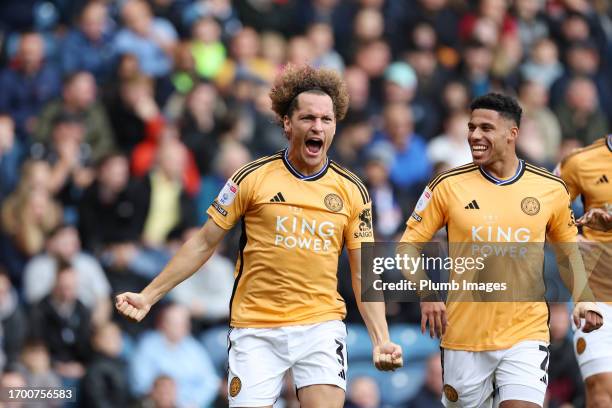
<point>333,202</point>
<point>530,206</point>
<point>580,345</point>
<point>219,209</point>
<point>235,386</point>
<point>450,393</point>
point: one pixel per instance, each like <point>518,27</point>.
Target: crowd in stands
<point>120,120</point>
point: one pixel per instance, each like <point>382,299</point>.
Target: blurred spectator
<point>208,51</point>
<point>385,202</point>
<point>114,208</point>
<point>321,37</point>
<point>208,291</point>
<point>70,160</point>
<point>105,383</point>
<point>543,65</point>
<point>12,322</point>
<point>149,152</point>
<point>363,392</point>
<point>172,351</point>
<point>300,51</point>
<point>89,46</point>
<point>455,98</point>
<point>440,14</point>
<point>28,83</point>
<point>532,25</point>
<point>10,156</point>
<point>579,113</point>
<point>131,109</point>
<point>183,79</point>
<point>36,368</point>
<point>64,245</point>
<point>12,379</point>
<point>150,39</point>
<point>430,394</point>
<point>411,168</point>
<point>64,324</point>
<point>358,88</point>
<point>534,99</point>
<point>199,124</point>
<point>171,201</point>
<point>28,215</point>
<point>79,100</point>
<point>245,59</point>
<point>163,394</point>
<point>274,48</point>
<point>401,88</point>
<point>230,157</point>
<point>478,60</point>
<point>489,23</point>
<point>350,146</point>
<point>368,25</point>
<point>221,10</point>
<point>582,59</point>
<point>451,147</point>
<point>564,380</point>
<point>278,16</point>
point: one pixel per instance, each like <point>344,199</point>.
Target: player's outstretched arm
<point>188,259</point>
<point>597,219</point>
<point>385,354</point>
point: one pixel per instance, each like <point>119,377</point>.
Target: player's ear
<point>514,132</point>
<point>286,126</point>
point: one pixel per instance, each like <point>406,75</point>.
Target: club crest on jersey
<point>580,345</point>
<point>423,200</point>
<point>450,393</point>
<point>235,386</point>
<point>530,206</point>
<point>228,193</point>
<point>333,202</point>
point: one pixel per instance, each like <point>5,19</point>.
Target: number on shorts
<point>342,374</point>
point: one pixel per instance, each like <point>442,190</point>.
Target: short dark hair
<point>505,105</point>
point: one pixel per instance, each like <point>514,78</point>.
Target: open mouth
<point>479,148</point>
<point>314,145</point>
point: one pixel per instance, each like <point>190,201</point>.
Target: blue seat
<point>358,343</point>
<point>215,342</point>
<point>415,345</point>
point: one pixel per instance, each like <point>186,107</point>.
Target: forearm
<point>373,315</point>
<point>572,271</point>
<point>189,258</point>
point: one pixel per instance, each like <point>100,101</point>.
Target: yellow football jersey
<point>476,207</point>
<point>293,230</point>
<point>588,173</point>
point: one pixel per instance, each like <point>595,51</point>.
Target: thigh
<point>599,390</point>
<point>256,366</point>
<point>320,356</point>
<point>468,378</point>
<point>594,350</point>
<point>321,396</point>
<point>522,375</point>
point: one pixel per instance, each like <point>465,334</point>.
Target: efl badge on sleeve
<point>228,193</point>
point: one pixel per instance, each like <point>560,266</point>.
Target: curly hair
<point>297,79</point>
<point>505,105</point>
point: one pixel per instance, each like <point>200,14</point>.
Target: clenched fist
<point>387,357</point>
<point>134,306</point>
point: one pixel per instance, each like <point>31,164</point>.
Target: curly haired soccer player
<point>297,209</point>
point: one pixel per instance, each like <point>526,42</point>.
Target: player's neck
<point>503,168</point>
<point>301,166</point>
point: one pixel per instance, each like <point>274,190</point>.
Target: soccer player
<point>495,352</point>
<point>297,209</point>
<point>588,172</point>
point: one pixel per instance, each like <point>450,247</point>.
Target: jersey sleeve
<point>231,203</point>
<point>562,224</point>
<point>359,228</point>
<point>429,215</point>
<point>568,172</point>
